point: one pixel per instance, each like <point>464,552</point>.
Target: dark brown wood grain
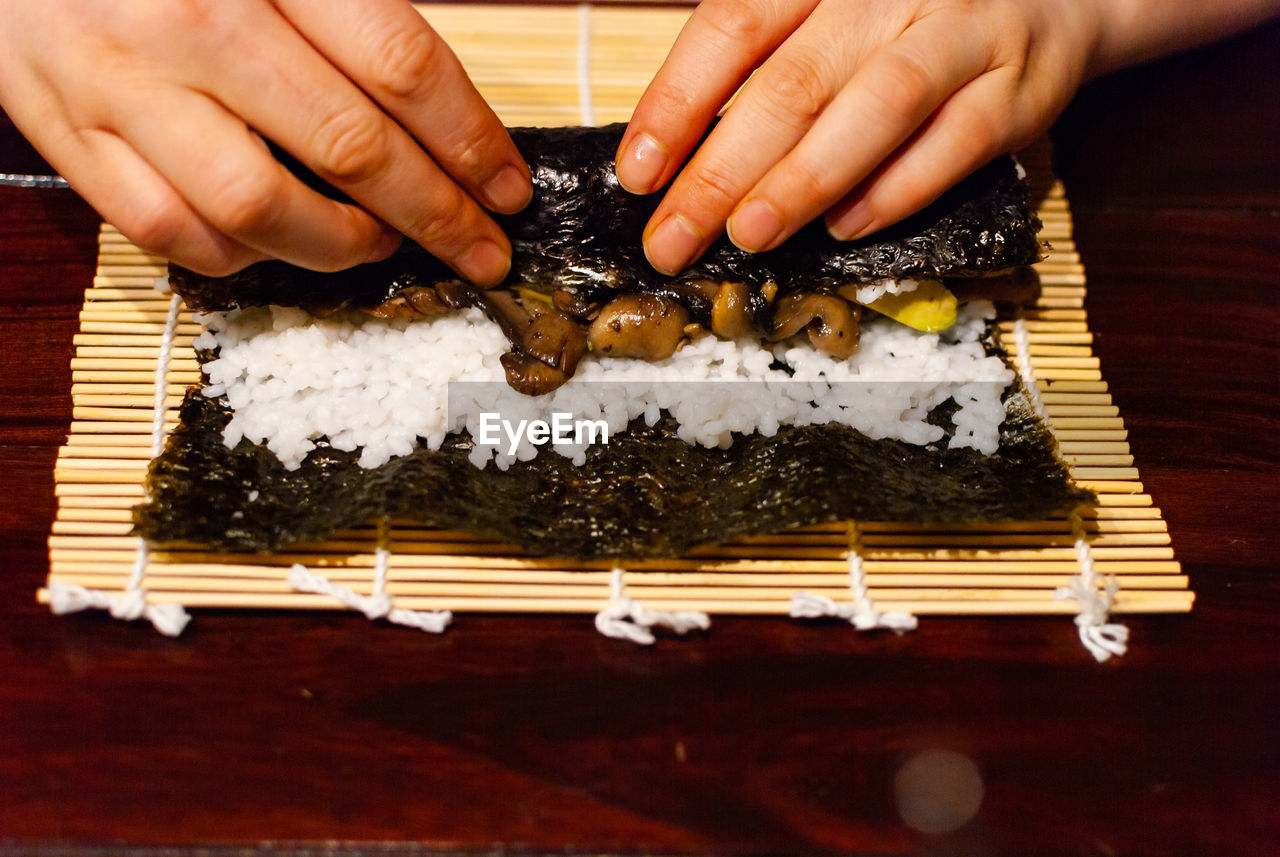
<point>765,736</point>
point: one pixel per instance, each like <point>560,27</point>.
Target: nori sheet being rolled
<point>582,232</point>
<point>644,494</point>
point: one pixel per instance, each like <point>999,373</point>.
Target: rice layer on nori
<point>645,494</point>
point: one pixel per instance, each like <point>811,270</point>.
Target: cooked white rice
<point>383,386</point>
<point>872,291</point>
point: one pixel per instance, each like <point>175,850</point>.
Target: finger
<point>129,193</point>
<point>294,97</point>
<point>719,46</point>
<point>965,133</point>
<point>112,177</point>
<point>770,116</point>
<point>390,52</point>
<point>888,98</point>
<point>227,173</point>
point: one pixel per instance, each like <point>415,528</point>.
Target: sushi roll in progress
<point>752,393</point>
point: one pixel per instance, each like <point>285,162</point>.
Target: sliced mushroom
<point>554,338</point>
<point>646,326</point>
<point>411,302</point>
<point>731,315</point>
<point>502,306</point>
<point>830,321</point>
<point>572,302</point>
<point>456,294</point>
<point>643,325</point>
<point>694,295</point>
<point>529,375</point>
<point>539,334</point>
<point>396,306</point>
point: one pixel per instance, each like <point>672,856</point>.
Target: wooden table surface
<point>327,733</point>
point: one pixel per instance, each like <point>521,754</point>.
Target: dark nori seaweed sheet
<point>647,493</point>
<point>582,233</point>
<point>644,494</point>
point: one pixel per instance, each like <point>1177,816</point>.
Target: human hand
<point>156,113</point>
<point>864,110</point>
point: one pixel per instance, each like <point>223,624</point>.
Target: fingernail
<point>508,191</point>
<point>484,263</point>
<point>755,226</point>
<point>853,223</point>
<point>672,245</point>
<point>643,165</point>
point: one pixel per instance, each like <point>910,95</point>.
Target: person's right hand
<point>867,110</point>
<point>156,113</point>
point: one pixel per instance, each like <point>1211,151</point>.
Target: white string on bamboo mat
<point>168,619</point>
<point>1102,638</point>
<point>586,97</point>
<point>861,612</point>
<point>376,605</point>
<point>627,619</point>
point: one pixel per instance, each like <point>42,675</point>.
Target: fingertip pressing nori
<point>644,494</point>
<point>582,232</point>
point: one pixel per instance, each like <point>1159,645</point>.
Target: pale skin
<point>156,110</point>
<point>863,112</point>
<point>860,111</point>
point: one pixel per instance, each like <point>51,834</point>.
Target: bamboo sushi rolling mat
<point>584,65</point>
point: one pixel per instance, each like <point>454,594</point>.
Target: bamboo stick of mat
<point>534,66</point>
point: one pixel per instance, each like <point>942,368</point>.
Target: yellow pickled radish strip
<point>930,306</point>
<point>534,295</point>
